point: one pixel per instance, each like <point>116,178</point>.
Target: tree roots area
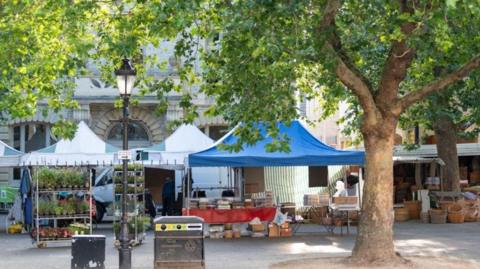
<point>408,263</point>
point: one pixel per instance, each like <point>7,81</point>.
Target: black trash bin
<point>179,243</point>
<point>88,252</point>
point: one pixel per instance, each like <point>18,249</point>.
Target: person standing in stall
<point>168,197</point>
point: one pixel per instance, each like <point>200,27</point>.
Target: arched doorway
<point>138,135</point>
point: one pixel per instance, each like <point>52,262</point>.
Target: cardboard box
<point>345,200</point>
<point>285,225</point>
<point>286,232</point>
<point>318,213</point>
<point>463,172</point>
<point>257,227</point>
<point>475,176</point>
<point>273,230</point>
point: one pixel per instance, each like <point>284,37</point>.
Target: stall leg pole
<point>183,189</point>
<point>188,190</point>
<point>37,221</point>
<point>90,199</point>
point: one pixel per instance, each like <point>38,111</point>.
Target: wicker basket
<point>471,214</point>
<point>438,216</point>
<point>444,205</point>
<point>401,214</point>
<point>456,217</point>
<point>414,208</point>
<point>455,208</point>
<point>425,217</point>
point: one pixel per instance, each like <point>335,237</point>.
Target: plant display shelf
<point>43,242</point>
<point>65,217</point>
<point>135,203</point>
<point>64,190</point>
<point>51,195</point>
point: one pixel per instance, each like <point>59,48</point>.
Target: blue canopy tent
<point>305,150</point>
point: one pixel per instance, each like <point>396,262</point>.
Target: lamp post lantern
<point>125,80</point>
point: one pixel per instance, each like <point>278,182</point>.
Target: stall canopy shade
<point>85,147</point>
<point>9,157</point>
<point>305,150</point>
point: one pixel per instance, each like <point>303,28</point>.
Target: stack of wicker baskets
<point>456,213</point>
<point>472,211</point>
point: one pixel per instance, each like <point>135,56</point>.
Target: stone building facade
<point>96,107</point>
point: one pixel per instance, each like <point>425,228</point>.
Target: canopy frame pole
<point>188,190</point>
<point>360,186</point>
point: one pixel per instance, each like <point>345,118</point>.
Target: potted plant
<point>86,207</point>
<point>58,210</point>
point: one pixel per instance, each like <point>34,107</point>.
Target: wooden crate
<point>345,200</point>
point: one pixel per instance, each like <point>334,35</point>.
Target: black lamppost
<point>125,80</point>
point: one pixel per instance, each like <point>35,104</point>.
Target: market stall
<point>305,150</point>
<point>85,148</point>
<point>9,157</point>
<point>171,153</point>
<point>61,185</point>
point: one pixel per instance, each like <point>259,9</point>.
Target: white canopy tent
<point>86,148</point>
<point>9,157</point>
<point>174,150</point>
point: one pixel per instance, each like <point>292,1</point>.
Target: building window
<point>16,137</point>
<point>30,137</point>
<point>217,132</point>
<point>137,135</point>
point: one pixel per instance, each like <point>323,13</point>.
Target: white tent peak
<point>84,141</point>
<point>85,147</point>
<point>187,138</point>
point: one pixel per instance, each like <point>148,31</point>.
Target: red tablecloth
<point>232,215</point>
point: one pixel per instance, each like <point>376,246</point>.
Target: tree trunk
<point>446,136</point>
<point>374,244</point>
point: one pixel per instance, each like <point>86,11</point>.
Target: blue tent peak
<point>305,150</point>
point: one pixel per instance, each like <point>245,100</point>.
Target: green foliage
<point>459,103</point>
<point>271,54</point>
<point>268,56</point>
<point>56,178</point>
<point>43,44</point>
<point>131,167</point>
<point>71,206</point>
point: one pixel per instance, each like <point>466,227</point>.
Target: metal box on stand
<point>179,243</point>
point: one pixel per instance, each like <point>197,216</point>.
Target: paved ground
<point>460,241</point>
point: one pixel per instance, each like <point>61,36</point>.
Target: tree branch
<point>440,84</point>
<point>396,65</point>
<point>345,70</point>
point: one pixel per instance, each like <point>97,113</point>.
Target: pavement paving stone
<point>411,239</point>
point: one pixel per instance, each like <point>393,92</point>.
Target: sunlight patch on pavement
<point>422,247</point>
<point>302,248</point>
